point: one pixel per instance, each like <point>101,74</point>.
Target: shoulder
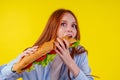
<point>81,59</point>
<point>81,49</point>
<point>81,55</point>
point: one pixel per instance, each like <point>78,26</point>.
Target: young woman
<point>69,64</point>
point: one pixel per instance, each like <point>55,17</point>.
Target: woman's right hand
<point>26,52</point>
<point>29,51</point>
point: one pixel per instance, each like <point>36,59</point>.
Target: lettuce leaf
<point>75,44</point>
<point>49,58</point>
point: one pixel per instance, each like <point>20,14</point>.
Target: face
<point>67,26</point>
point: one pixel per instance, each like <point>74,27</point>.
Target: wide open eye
<point>64,24</point>
<point>74,26</point>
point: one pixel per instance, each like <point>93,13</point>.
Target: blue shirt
<point>41,73</point>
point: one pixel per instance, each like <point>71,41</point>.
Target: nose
<point>69,29</point>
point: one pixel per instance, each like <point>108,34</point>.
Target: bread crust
<point>42,50</point>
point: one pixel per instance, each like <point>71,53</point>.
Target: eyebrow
<point>66,21</point>
<point>63,20</point>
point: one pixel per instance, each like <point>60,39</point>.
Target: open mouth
<point>69,35</point>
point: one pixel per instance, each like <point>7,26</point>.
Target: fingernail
<point>57,38</point>
<point>54,42</point>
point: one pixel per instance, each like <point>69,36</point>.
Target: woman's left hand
<point>62,49</point>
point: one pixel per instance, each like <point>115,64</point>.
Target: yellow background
<point>22,21</point>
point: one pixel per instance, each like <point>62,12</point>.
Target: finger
<point>28,52</point>
<point>32,49</point>
<point>58,52</point>
<point>24,54</point>
<point>66,43</point>
<point>61,43</point>
<point>35,47</point>
<point>58,47</point>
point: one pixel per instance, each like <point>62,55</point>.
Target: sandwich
<point>43,56</point>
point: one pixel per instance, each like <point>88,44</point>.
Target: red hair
<point>52,25</point>
<point>51,28</point>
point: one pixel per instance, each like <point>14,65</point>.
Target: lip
<point>69,35</point>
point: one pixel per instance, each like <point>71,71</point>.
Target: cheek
<point>60,32</point>
<point>75,33</point>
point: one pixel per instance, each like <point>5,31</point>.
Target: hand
<point>26,52</point>
<point>62,49</point>
<point>29,51</point>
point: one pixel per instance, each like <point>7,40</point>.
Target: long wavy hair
<point>51,29</point>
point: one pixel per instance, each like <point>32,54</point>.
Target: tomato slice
<point>41,58</point>
<point>52,52</point>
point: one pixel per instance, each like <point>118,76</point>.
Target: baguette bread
<point>42,50</point>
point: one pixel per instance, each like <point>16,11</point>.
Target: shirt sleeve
<point>85,71</point>
<point>6,71</point>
